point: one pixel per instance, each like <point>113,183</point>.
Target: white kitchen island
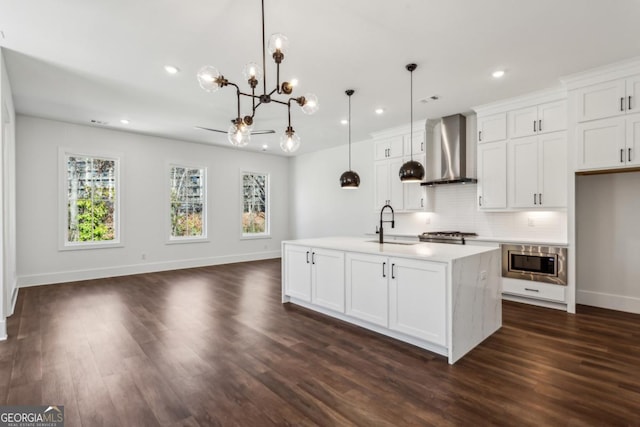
<point>441,297</point>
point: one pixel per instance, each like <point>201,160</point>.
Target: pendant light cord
<point>349,132</point>
<point>264,57</point>
<point>411,123</point>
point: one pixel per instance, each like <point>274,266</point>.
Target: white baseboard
<point>610,301</point>
<point>3,329</point>
<point>149,267</point>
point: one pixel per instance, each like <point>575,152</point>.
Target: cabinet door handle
<point>540,125</point>
<point>629,107</point>
<point>393,274</point>
<point>480,136</point>
<point>422,143</point>
<point>629,155</point>
<point>480,200</point>
<point>622,155</point>
<point>531,290</point>
<point>540,199</point>
<point>534,125</point>
<point>534,199</point>
<point>307,257</point>
<point>422,199</point>
<point>313,258</point>
<point>622,104</point>
<point>384,265</point>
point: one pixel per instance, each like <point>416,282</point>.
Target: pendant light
<point>350,179</point>
<point>411,171</point>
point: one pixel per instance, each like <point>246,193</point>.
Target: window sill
<point>89,246</point>
<point>255,237</point>
<point>187,240</point>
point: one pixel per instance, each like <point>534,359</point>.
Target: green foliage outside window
<point>91,185</point>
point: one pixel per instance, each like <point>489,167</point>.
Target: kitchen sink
<point>394,242</point>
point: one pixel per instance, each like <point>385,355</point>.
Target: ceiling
<point>79,60</point>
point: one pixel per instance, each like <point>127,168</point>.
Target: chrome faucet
<point>393,221</point>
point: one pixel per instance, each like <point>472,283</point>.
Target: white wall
<point>608,241</point>
<point>319,207</point>
<point>8,275</point>
<point>144,210</point>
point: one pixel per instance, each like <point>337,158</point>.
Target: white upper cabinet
<point>538,171</point>
<point>492,176</point>
<point>543,118</point>
<point>609,99</point>
<point>609,143</point>
<point>389,148</point>
<point>419,146</point>
<point>392,150</point>
<point>492,127</point>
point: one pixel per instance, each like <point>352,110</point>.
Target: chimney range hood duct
<point>453,151</point>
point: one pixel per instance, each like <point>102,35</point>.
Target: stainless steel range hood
<point>453,151</point>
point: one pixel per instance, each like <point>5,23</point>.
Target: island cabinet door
<point>367,287</point>
<point>297,272</point>
<point>327,279</point>
<point>417,299</point>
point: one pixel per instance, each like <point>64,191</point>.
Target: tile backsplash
<point>455,209</point>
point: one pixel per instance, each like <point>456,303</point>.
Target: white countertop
<point>438,252</point>
<point>526,240</point>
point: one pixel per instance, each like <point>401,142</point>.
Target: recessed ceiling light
<point>124,121</point>
<point>264,147</point>
<point>379,110</point>
<point>498,74</point>
<point>171,69</point>
<point>344,122</point>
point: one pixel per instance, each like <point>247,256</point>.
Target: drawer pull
<point>384,264</point>
<point>531,290</point>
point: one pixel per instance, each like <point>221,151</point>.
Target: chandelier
<point>239,133</point>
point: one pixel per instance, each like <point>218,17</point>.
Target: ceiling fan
<point>253,132</point>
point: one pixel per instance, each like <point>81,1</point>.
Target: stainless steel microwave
<point>539,263</point>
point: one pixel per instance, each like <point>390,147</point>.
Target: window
<point>92,200</point>
<point>255,204</point>
<point>187,203</point>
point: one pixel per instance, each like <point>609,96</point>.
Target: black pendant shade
<point>349,180</point>
<point>411,171</point>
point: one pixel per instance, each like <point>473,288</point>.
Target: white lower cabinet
<point>417,299</point>
<point>404,295</point>
<point>327,279</point>
<point>526,288</point>
<point>297,272</point>
<point>315,275</point>
<point>367,287</point>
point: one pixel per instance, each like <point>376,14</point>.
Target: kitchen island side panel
<point>476,301</point>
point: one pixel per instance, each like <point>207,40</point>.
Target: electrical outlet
<point>483,275</point>
<point>531,222</point>
<point>428,220</point>
<point>143,256</point>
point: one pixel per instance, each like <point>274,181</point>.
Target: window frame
<point>172,240</point>
<point>267,233</point>
<point>63,199</point>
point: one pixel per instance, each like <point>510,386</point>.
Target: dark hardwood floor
<point>214,346</point>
